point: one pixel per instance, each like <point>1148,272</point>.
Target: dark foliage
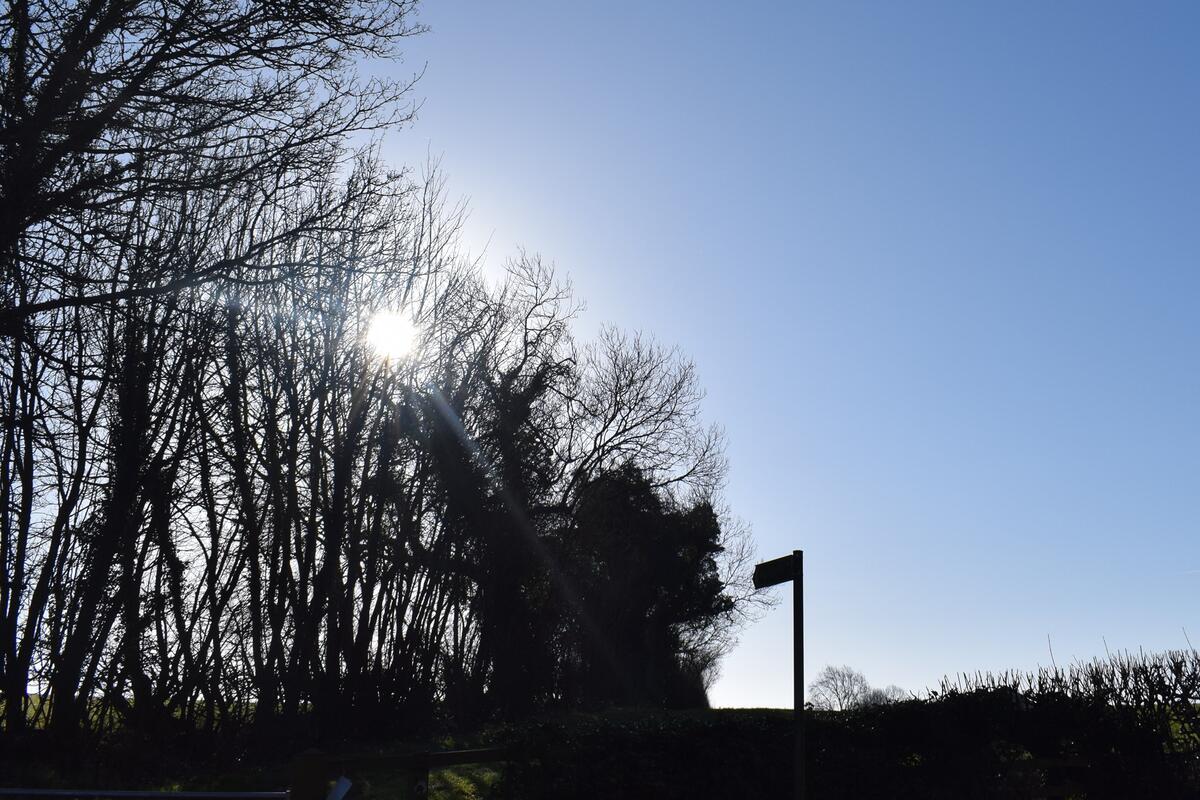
<point>646,573</point>
<point>983,744</point>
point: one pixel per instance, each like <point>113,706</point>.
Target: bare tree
<point>838,688</point>
<point>842,688</point>
<point>109,106</point>
<point>638,401</point>
<point>217,505</point>
<point>885,696</point>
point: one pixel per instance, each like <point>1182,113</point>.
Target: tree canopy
<point>220,504</point>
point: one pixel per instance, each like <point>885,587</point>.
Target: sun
<point>392,336</point>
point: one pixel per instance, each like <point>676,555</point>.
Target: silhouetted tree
<point>220,507</point>
<point>646,570</point>
<point>113,107</point>
<point>882,697</point>
<point>838,688</point>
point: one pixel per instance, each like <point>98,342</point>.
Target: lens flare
<point>392,336</point>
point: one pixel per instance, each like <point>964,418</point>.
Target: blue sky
<point>938,265</point>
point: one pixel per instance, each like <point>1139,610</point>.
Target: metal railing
<point>143,795</point>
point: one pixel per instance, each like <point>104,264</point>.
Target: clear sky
<point>938,265</point>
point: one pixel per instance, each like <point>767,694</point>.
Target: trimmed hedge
<point>983,744</point>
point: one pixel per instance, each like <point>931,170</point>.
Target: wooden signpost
<point>770,573</point>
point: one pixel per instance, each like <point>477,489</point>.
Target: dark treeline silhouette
<point>220,507</point>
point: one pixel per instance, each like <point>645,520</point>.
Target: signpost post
<point>770,573</point>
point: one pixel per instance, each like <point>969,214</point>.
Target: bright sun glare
<point>391,335</point>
